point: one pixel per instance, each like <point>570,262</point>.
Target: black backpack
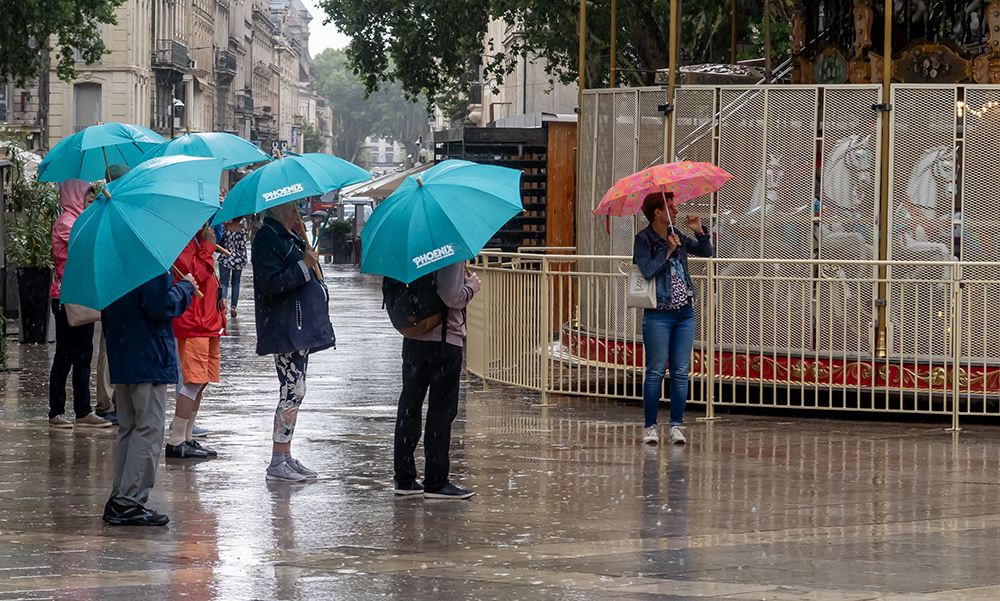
<point>414,308</point>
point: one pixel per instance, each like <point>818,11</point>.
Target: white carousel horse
<point>933,173</point>
<point>847,170</point>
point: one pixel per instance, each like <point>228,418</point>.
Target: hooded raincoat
<point>71,195</point>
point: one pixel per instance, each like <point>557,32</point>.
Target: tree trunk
<point>43,96</point>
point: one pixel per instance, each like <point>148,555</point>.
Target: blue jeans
<point>667,334</point>
<point>225,275</point>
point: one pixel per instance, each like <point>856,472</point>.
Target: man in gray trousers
<point>142,360</point>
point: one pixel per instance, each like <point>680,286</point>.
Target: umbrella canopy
<point>280,181</point>
<point>345,172</point>
<point>439,217</point>
<point>122,241</point>
<point>86,154</point>
<point>234,151</point>
<point>686,180</point>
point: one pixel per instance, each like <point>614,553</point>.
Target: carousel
<point>858,243</point>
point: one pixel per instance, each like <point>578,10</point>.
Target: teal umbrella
<point>345,172</point>
<point>280,181</point>
<point>87,153</point>
<point>234,151</point>
<point>442,216</point>
<point>138,228</point>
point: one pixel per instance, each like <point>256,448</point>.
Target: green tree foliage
<point>433,48</point>
<point>312,138</point>
<point>26,25</point>
<point>386,113</point>
<point>33,205</point>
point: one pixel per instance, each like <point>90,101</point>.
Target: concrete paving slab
<point>570,504</point>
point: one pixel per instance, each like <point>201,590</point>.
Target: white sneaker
<point>284,473</point>
<point>301,469</point>
<point>676,436</point>
<point>651,434</point>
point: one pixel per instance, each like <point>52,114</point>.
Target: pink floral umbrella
<point>685,179</point>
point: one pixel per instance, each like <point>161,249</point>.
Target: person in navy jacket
<point>661,252</point>
<point>293,321</point>
<point>142,361</point>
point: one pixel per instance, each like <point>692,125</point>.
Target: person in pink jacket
<point>74,346</point>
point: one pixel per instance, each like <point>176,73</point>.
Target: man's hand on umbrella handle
<point>473,280</point>
<point>310,258</point>
<point>694,223</point>
<point>208,234</point>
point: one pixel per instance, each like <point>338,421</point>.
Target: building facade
<point>236,66</point>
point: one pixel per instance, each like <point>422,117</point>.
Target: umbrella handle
<point>181,275</point>
<point>223,251</point>
<point>319,272</point>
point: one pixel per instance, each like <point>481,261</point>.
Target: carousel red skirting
<point>760,367</point>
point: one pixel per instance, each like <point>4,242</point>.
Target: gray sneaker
<point>284,473</point>
<point>91,420</point>
<point>301,469</point>
<point>651,434</point>
<point>60,421</point>
<point>676,436</point>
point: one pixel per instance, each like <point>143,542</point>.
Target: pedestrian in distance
<point>661,252</point>
<point>142,361</point>
<point>432,368</point>
<point>74,345</point>
<point>235,235</point>
<point>105,391</point>
<point>293,321</point>
<point>197,332</point>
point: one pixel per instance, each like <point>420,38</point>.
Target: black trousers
<point>435,367</point>
<point>74,350</point>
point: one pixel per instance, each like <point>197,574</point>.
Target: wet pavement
<point>570,504</point>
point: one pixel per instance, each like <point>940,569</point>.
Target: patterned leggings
<point>292,378</point>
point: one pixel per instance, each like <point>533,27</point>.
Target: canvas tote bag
<point>641,292</point>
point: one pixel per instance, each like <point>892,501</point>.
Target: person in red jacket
<point>197,332</point>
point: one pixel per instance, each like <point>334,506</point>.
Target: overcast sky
<point>322,36</point>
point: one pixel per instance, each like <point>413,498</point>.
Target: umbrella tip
<point>420,182</point>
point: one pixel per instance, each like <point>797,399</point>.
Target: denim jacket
<point>650,254</point>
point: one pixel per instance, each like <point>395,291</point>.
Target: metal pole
<point>732,38</point>
<point>767,41</point>
<point>614,32</point>
<point>583,49</point>
<point>671,78</point>
<point>884,192</point>
<point>543,321</point>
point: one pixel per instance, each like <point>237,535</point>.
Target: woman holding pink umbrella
<point>661,253</point>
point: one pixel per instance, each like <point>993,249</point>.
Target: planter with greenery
<point>33,207</point>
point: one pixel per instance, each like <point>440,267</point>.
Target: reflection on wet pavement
<point>570,505</point>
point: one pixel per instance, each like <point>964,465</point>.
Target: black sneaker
<point>404,491</point>
<point>450,491</point>
<point>120,515</point>
<point>197,445</point>
<point>186,450</point>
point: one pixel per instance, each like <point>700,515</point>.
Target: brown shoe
<point>232,312</point>
<point>60,421</point>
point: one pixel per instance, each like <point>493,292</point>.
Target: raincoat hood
<point>71,195</point>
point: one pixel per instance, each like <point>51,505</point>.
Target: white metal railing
<point>558,324</point>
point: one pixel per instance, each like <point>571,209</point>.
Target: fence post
<point>543,330</point>
<point>956,345</point>
<point>708,349</point>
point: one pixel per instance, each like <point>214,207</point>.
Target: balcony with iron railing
<point>244,102</point>
<point>170,54</point>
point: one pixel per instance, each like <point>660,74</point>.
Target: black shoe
<point>186,450</point>
<point>197,445</point>
<point>120,515</point>
<point>404,491</point>
<point>450,491</point>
